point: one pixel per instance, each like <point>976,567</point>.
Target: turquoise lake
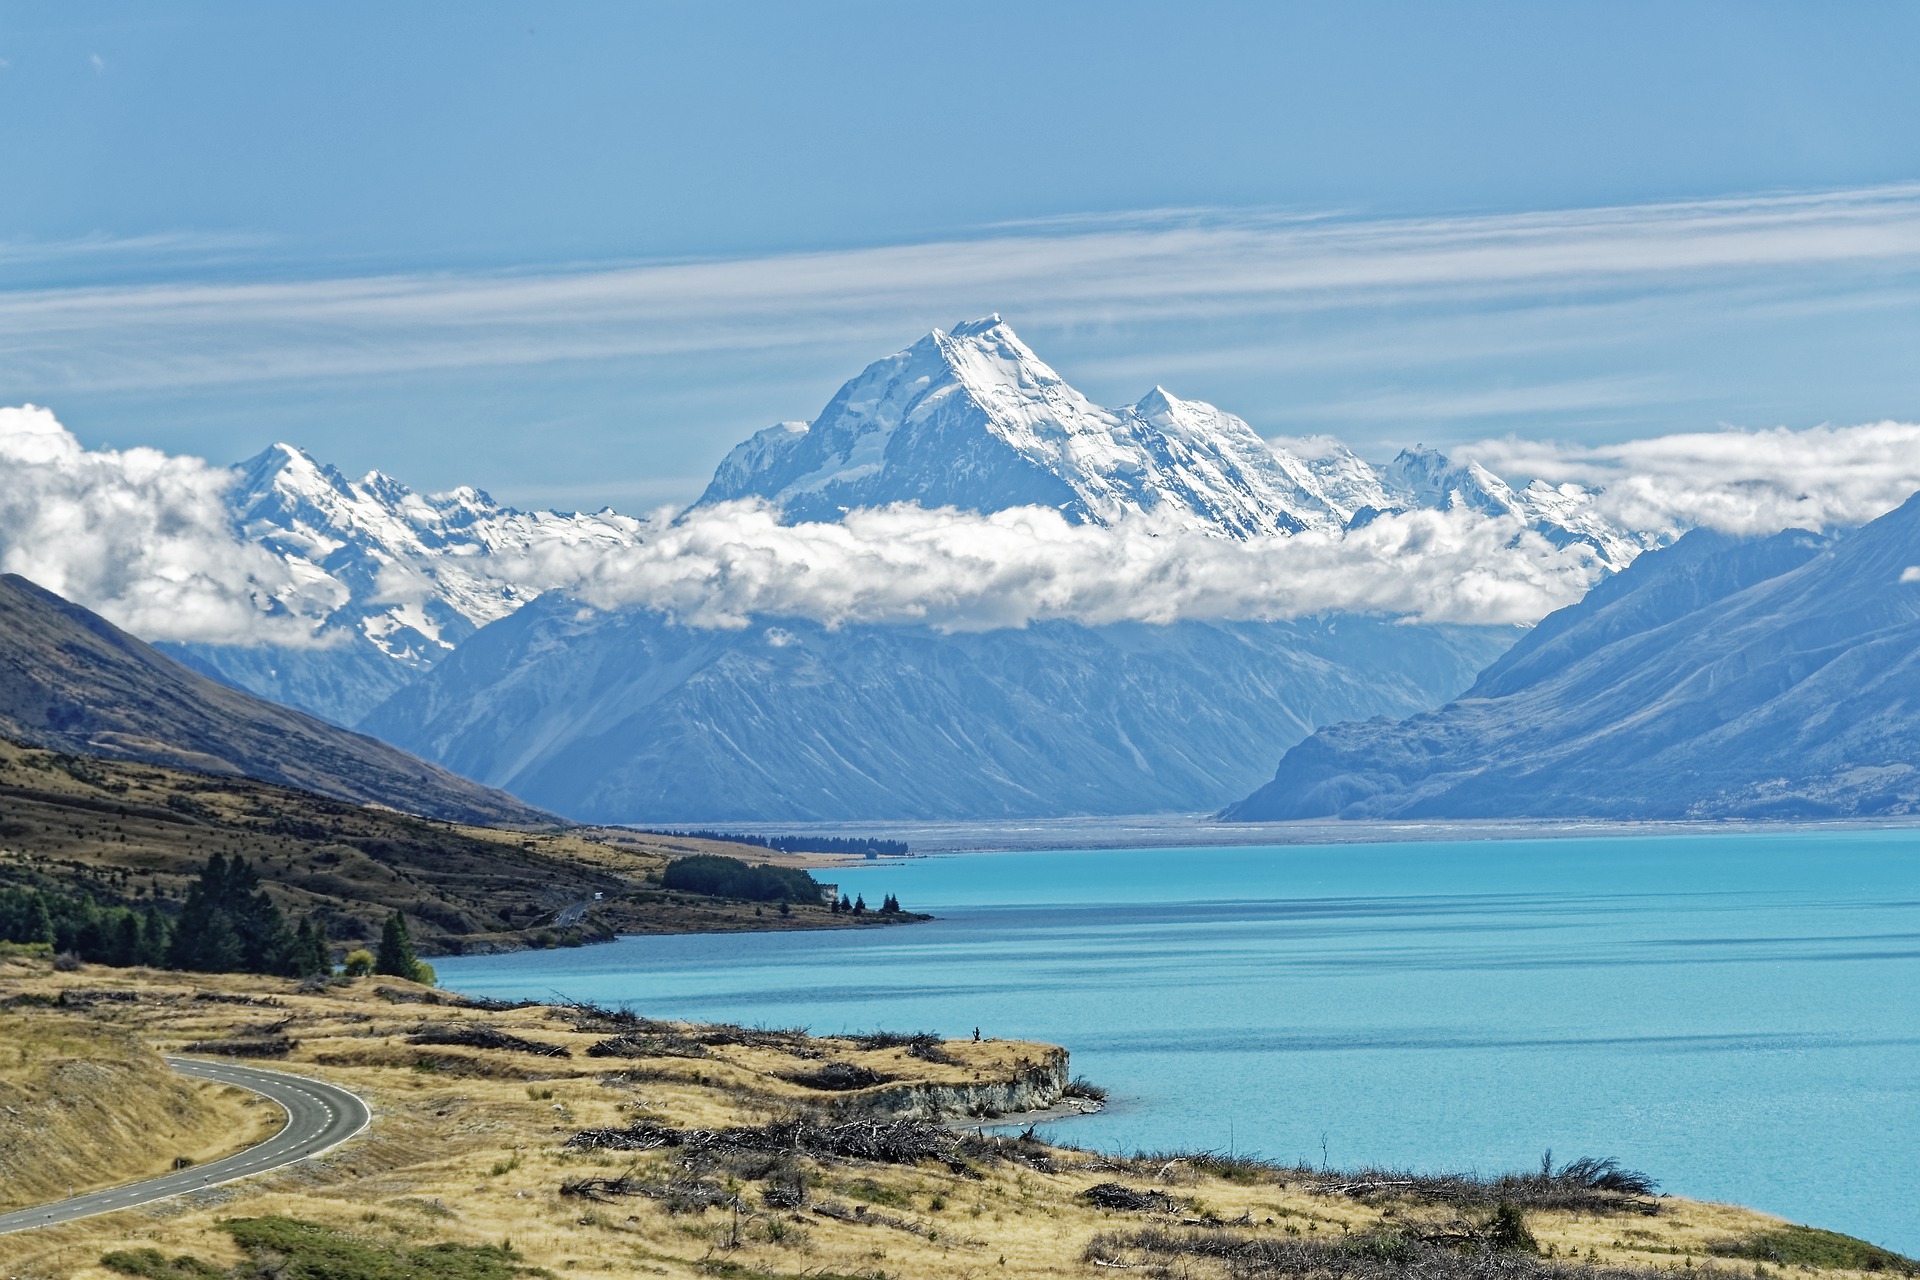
<point>1736,1014</point>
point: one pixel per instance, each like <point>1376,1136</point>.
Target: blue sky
<point>573,253</point>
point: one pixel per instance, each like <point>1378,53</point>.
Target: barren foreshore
<point>586,1141</point>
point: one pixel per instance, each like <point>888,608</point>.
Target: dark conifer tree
<point>396,956</point>
<point>229,924</point>
<point>156,936</point>
<point>859,904</point>
<point>310,949</point>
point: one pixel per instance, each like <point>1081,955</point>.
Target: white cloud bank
<point>961,571</point>
<point>1743,482</point>
<point>139,536</point>
<point>145,539</point>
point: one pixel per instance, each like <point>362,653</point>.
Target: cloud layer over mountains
<point>1739,482</point>
<point>148,540</point>
<point>139,536</point>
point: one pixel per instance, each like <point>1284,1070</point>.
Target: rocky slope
<point>1720,677</point>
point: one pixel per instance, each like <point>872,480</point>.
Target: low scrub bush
<point>1812,1247</point>
<point>154,1265</point>
<point>1372,1255</point>
<point>289,1249</point>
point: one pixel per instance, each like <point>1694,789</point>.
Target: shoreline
<point>1197,830</point>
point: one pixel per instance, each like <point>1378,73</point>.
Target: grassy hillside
<point>504,1139</point>
<point>86,1104</point>
<point>129,832</point>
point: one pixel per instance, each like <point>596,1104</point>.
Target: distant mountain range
<point>1720,677</point>
<point>75,683</point>
<point>397,580</point>
<point>421,604</point>
<point>393,579</point>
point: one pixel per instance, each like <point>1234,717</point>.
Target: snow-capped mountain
<point>1564,514</point>
<point>392,579</point>
<point>974,419</point>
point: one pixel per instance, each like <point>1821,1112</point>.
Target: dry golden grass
<point>467,1145</point>
<point>86,1105</point>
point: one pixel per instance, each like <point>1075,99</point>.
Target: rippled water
<point>1736,1014</point>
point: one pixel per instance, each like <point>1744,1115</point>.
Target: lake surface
<point>1736,1014</point>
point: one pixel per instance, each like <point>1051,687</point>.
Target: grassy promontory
<point>130,834</point>
<point>565,1140</point>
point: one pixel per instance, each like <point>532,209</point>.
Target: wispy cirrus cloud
<point>1157,266</point>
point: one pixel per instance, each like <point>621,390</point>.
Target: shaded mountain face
<point>73,682</point>
<point>1720,677</point>
<point>395,578</point>
<point>626,717</point>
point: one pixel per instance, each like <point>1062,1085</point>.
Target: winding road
<point>320,1117</point>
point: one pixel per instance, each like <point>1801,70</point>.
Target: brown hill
<point>73,682</point>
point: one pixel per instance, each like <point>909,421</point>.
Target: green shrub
<point>1812,1247</point>
<point>154,1265</point>
<point>308,1251</point>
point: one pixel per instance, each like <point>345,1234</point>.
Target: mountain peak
<point>985,324</point>
<point>975,419</point>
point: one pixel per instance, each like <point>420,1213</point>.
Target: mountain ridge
<point>1719,677</point>
<point>78,684</point>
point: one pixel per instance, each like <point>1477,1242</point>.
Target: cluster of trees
<point>75,923</point>
<point>718,877</point>
<point>889,906</point>
<point>228,924</point>
<point>801,844</point>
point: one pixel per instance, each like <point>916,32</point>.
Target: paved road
<point>319,1117</point>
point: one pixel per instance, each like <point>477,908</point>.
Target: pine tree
<point>125,948</point>
<point>310,949</point>
<point>156,936</point>
<point>229,924</point>
<point>396,957</point>
<point>859,904</point>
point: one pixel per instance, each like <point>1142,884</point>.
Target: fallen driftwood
<point>838,1077</point>
<point>478,1035</point>
<point>663,1044</point>
<point>923,1045</point>
<point>221,997</point>
<point>881,1141</point>
<point>248,1046</point>
<point>400,995</point>
<point>1113,1195</point>
<point>864,1216</point>
<point>683,1195</point>
<point>1589,1184</point>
